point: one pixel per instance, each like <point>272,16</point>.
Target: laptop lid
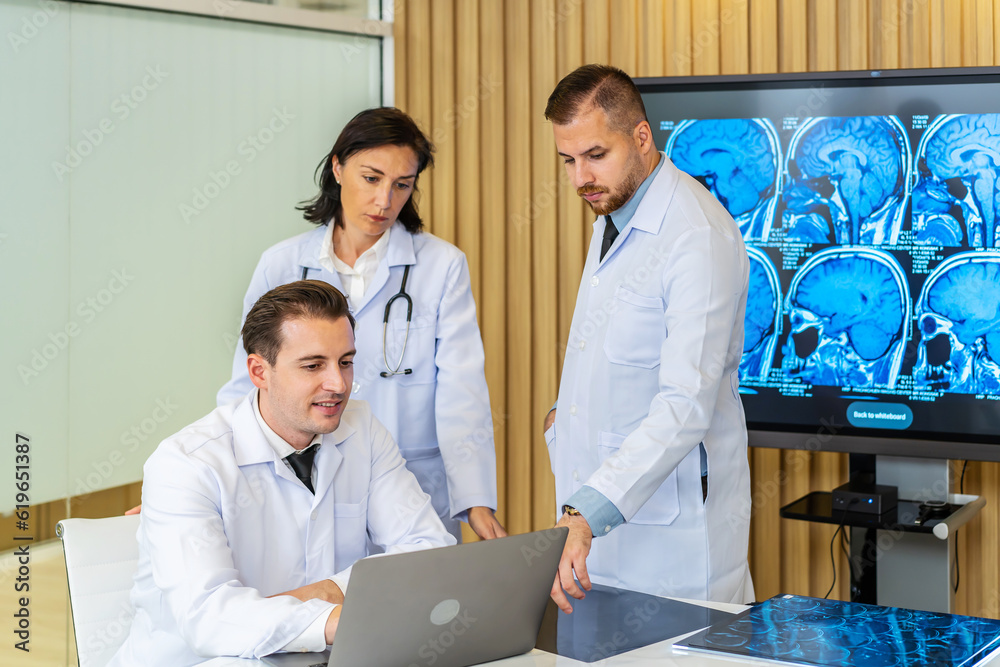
<point>448,607</point>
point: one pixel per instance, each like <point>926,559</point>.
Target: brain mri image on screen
<point>738,160</point>
<point>847,181</point>
<point>762,322</point>
<point>958,317</point>
<point>956,199</point>
<point>849,311</point>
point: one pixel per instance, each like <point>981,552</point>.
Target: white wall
<point>120,287</point>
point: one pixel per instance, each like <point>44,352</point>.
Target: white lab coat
<point>226,523</point>
<point>651,371</point>
<point>440,414</point>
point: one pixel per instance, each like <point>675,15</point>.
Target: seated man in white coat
<point>253,515</point>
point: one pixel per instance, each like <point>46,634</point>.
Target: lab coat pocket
<point>663,506</point>
<point>418,354</point>
<point>636,330</point>
<point>350,531</point>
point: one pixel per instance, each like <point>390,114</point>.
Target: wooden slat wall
<point>476,74</point>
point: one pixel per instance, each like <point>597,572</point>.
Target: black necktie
<point>610,234</point>
<point>302,464</point>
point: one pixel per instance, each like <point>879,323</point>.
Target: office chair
<point>101,557</point>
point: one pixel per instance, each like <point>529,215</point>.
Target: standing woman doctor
<point>422,370</point>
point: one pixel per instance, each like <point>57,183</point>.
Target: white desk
<point>654,655</point>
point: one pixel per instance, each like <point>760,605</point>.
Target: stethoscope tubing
<point>401,294</point>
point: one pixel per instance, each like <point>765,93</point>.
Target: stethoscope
<point>401,294</point>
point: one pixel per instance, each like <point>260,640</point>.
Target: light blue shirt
<point>623,215</point>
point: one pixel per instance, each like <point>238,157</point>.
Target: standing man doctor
<point>423,373</point>
<point>648,445</point>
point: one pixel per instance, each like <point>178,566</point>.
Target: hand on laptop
<point>321,590</point>
<point>574,559</point>
<point>484,522</point>
<point>332,621</point>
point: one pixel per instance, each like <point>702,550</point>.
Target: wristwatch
<point>572,511</point>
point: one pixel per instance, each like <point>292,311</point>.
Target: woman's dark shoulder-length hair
<point>382,126</point>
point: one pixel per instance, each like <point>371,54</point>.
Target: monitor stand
<point>903,558</point>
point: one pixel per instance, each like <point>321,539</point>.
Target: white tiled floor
<point>51,641</point>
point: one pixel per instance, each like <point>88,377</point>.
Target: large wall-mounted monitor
<point>870,206</point>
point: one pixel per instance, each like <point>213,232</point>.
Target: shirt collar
<point>277,443</point>
<point>328,258</point>
<point>624,214</point>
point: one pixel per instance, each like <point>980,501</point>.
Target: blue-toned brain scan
<point>739,161</point>
<point>797,630</point>
<point>762,322</point>
<point>847,181</point>
<point>956,198</point>
<point>958,315</point>
<point>849,310</point>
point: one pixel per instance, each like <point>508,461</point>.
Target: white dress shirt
<point>356,279</point>
<point>312,638</point>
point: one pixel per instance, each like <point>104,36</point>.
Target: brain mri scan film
<point>739,161</point>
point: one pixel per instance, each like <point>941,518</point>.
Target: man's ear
<point>643,137</point>
<point>256,365</point>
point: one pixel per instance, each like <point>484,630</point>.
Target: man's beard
<point>634,176</point>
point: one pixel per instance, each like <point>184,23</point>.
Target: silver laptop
<point>448,607</point>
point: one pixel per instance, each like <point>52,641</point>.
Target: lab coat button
<point>595,281</point>
<point>583,344</point>
<point>313,516</point>
<point>572,409</point>
<point>576,475</point>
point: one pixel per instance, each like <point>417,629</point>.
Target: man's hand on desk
<point>484,522</point>
<point>321,590</point>
<point>574,560</point>
<point>332,621</point>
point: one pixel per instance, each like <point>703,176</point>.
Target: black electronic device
<point>866,202</point>
<point>865,498</point>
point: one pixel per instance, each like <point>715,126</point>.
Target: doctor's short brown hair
<point>303,299</point>
<point>603,86</point>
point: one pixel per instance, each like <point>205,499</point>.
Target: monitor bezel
<point>799,437</point>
